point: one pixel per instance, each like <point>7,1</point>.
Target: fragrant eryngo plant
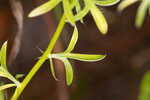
<point>141,12</point>
<point>90,6</point>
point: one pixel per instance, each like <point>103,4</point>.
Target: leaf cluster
<point>69,5</point>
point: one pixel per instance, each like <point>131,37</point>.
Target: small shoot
<point>67,54</point>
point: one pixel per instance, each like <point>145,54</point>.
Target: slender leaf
<point>18,76</point>
<point>69,71</point>
<point>99,19</point>
<point>2,97</point>
<point>125,3</point>
<point>145,87</point>
<point>3,87</point>
<point>68,11</point>
<point>81,57</point>
<point>52,68</point>
<point>85,57</point>
<point>141,13</point>
<point>3,55</point>
<point>44,8</point>
<point>106,2</point>
<point>73,40</point>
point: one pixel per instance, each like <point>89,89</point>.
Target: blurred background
<point>117,77</point>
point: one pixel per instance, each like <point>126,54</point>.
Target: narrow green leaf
<point>141,13</point>
<point>106,2</point>
<point>81,57</point>
<point>145,87</point>
<point>2,97</point>
<point>125,3</point>
<point>69,71</point>
<point>52,68</point>
<point>3,55</point>
<point>73,40</point>
<point>18,76</point>
<point>44,8</point>
<point>68,11</point>
<point>85,57</point>
<point>3,87</point>
<point>99,19</point>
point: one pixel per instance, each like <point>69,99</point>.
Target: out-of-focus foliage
<point>145,87</point>
<point>141,12</point>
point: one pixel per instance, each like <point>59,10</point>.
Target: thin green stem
<point>41,60</point>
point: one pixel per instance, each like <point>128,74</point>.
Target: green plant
<point>67,17</point>
<point>71,18</point>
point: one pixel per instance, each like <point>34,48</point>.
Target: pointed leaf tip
<point>69,71</point>
<point>3,55</point>
<point>44,8</point>
<point>85,57</point>
<point>52,69</point>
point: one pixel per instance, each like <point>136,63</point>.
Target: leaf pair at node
<point>67,54</point>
